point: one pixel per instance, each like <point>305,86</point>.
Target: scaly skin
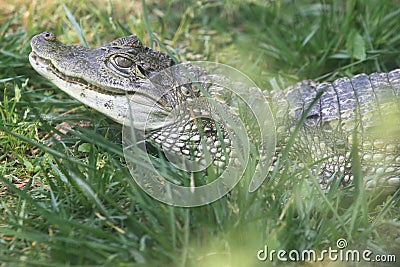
<point>368,106</point>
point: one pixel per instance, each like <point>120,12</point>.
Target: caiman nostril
<point>49,36</point>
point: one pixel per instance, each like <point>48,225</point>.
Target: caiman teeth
<point>83,83</point>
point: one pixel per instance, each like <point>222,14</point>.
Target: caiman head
<point>123,71</point>
<point>103,78</point>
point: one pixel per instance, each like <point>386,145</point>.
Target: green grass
<point>72,202</point>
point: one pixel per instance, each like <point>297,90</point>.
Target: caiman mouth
<point>82,82</point>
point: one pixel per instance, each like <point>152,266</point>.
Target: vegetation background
<point>67,201</point>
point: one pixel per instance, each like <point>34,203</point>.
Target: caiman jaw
<point>42,63</point>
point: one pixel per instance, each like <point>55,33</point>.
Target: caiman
<point>331,121</point>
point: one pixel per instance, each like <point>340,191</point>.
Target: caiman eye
<point>123,62</point>
<point>126,67</point>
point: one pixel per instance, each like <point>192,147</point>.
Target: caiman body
<point>362,110</point>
